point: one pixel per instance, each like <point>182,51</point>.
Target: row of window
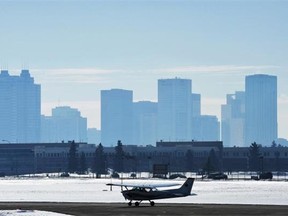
<point>139,154</point>
<point>63,154</point>
<point>247,154</point>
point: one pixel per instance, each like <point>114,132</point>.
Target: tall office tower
<point>116,116</point>
<point>65,124</point>
<point>93,136</point>
<point>196,105</point>
<point>20,108</point>
<point>260,109</point>
<point>206,128</point>
<point>145,122</point>
<point>196,114</point>
<point>174,109</point>
<point>233,119</point>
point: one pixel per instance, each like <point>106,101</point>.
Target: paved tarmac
<point>121,209</point>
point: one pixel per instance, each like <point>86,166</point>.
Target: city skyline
<point>114,102</point>
<point>79,48</point>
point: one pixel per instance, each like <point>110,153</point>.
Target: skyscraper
<point>233,120</point>
<point>174,109</point>
<point>116,116</point>
<point>20,108</point>
<point>196,105</point>
<point>93,136</point>
<point>206,128</point>
<point>65,124</point>
<point>260,109</point>
<point>145,122</point>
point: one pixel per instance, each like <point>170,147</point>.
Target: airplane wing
<point>148,186</point>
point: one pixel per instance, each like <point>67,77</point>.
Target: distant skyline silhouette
<point>76,49</point>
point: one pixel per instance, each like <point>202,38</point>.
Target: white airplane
<point>150,192</point>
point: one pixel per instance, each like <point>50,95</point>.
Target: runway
<point>121,209</point>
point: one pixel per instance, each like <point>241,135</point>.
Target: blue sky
<point>76,48</point>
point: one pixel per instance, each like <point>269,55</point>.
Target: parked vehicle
<point>174,176</point>
<point>115,175</point>
<point>64,174</point>
<point>266,175</point>
<point>217,176</point>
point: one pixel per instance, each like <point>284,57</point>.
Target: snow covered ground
<point>95,190</point>
<point>28,213</point>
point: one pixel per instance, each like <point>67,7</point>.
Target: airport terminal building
<point>17,159</point>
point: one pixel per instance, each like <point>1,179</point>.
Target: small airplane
<point>150,192</point>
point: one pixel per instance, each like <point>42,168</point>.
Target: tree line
<point>78,163</point>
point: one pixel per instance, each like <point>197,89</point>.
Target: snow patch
<point>20,212</point>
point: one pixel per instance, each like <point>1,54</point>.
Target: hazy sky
<point>76,48</point>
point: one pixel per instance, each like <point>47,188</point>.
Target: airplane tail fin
<point>186,188</point>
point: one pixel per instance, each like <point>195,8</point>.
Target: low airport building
<point>192,156</point>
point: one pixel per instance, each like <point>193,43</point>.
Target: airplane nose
<point>126,195</point>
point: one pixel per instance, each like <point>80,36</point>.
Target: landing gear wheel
<point>137,203</point>
<point>152,203</point>
<point>130,203</point>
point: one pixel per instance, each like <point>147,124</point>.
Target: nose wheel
<point>152,203</point>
